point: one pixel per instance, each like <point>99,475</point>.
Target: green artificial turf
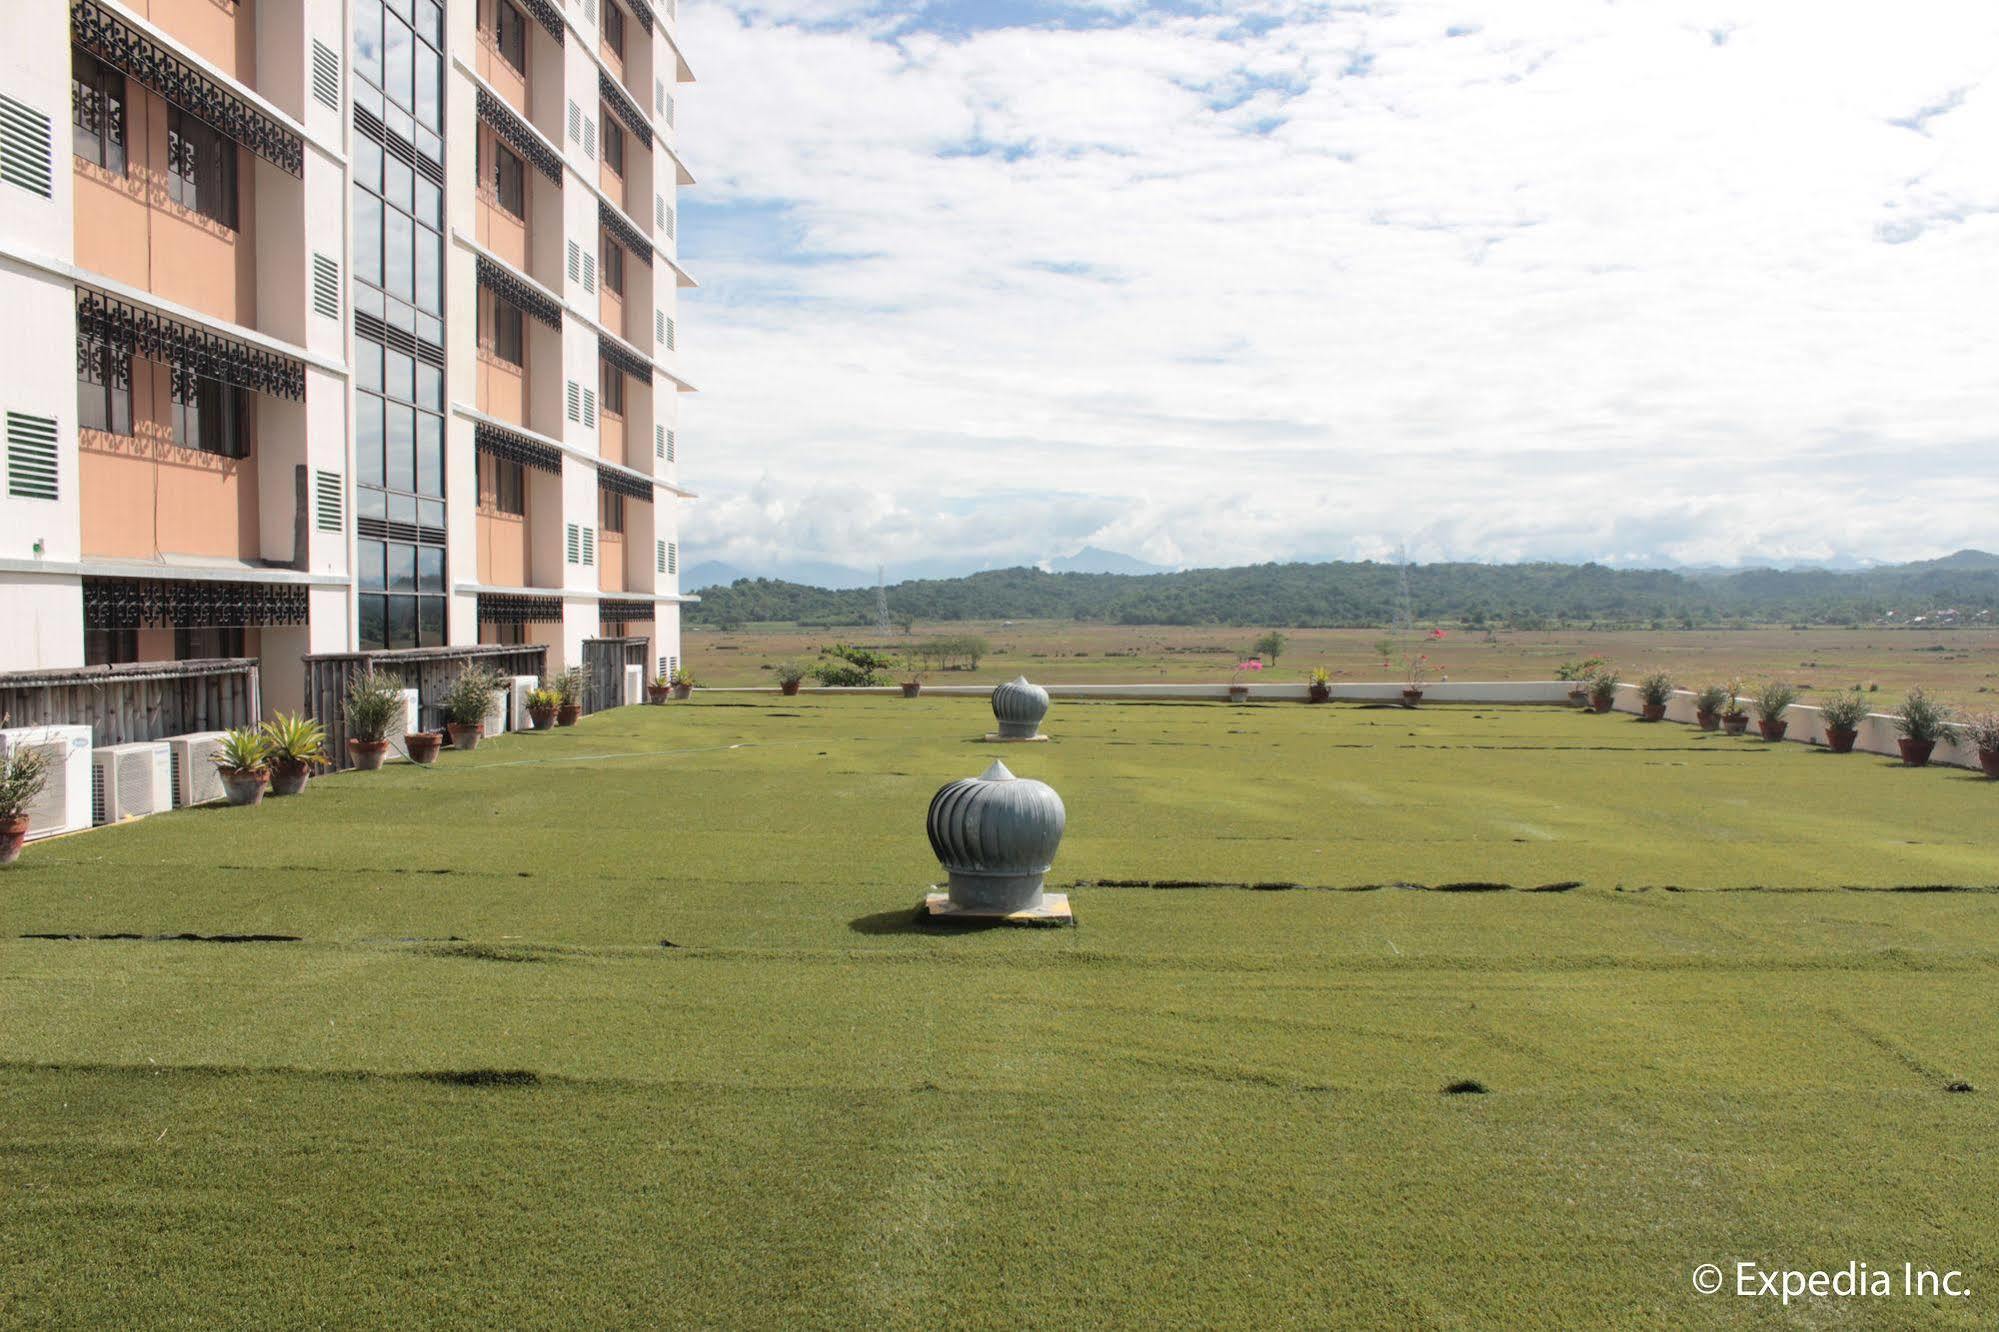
<point>633,1023</point>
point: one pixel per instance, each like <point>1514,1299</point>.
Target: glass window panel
<point>402,568</point>
<point>368,436</point>
<point>374,631</point>
<point>402,508</point>
<point>368,98</point>
<point>369,299</point>
<point>426,89</point>
<point>430,21</point>
<point>374,557</point>
<point>430,386</point>
<point>429,145</point>
<point>371,503</point>
<point>398,62</point>
<point>400,122</point>
<point>430,568</point>
<point>368,364</point>
<point>367,237</point>
<point>399,183</point>
<point>430,512</point>
<point>402,622</point>
<point>398,247</point>
<point>368,39</point>
<point>400,467</point>
<point>367,163</point>
<point>429,271</point>
<point>400,375</point>
<point>429,454</point>
<point>430,624</point>
<point>429,202</point>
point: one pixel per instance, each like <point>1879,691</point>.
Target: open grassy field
<point>632,1023</point>
<point>1961,665</point>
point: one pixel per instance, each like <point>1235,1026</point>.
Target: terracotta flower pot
<point>1601,704</point>
<point>682,691</point>
<point>567,713</point>
<point>1411,697</point>
<point>1735,723</point>
<point>13,832</point>
<point>1709,721</point>
<point>1579,697</point>
<point>367,754</point>
<point>543,718</point>
<point>466,738</point>
<point>1238,693</point>
<point>1772,730</point>
<point>788,687</point>
<point>1840,740</point>
<point>289,779</point>
<point>657,695</point>
<point>1318,693</point>
<point>1915,753</point>
<point>1988,759</point>
<point>911,688</point>
<point>423,746</point>
<point>1654,712</point>
<point>245,787</point>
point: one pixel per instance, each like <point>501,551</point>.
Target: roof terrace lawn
<point>1204,1106</point>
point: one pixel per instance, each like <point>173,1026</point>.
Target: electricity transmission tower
<point>881,602</point>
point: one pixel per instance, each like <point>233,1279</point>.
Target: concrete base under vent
<point>1054,910</point>
<point>994,738</point>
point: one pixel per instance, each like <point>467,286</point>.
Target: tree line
<point>1369,593</point>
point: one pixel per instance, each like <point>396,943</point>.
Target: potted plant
<point>1654,692</point>
<point>912,680</point>
<point>542,704</point>
<point>466,705</point>
<point>1981,732</point>
<point>422,746</point>
<point>1321,687</point>
<point>1238,691</point>
<point>569,695</point>
<point>682,681</point>
<point>1579,674</point>
<point>1771,700</point>
<point>374,701</point>
<point>24,771</point>
<point>1602,689</point>
<point>1842,714</point>
<point>659,689</point>
<point>1734,720</point>
<point>789,676</point>
<point>1708,704</point>
<point>1922,721</point>
<point>1415,668</point>
<point>296,745</point>
<point>242,760</point>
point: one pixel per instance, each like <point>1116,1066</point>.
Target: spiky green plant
<point>470,697</point>
<point>24,771</point>
<point>295,740</point>
<point>1843,712</point>
<point>1603,686</point>
<point>1922,718</point>
<point>244,750</point>
<point>374,702</point>
<point>1656,689</point>
<point>569,687</point>
<point>1773,698</point>
<point>1712,699</point>
<point>1981,731</point>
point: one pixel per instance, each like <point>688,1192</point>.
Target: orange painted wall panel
<point>610,562</point>
<point>502,390</point>
<point>143,496</point>
<point>503,560</point>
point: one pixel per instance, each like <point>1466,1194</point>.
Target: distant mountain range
<point>819,573</point>
<point>1964,584</point>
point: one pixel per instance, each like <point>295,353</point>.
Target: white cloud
<point>1701,282</point>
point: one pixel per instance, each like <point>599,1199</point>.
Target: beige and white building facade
<point>337,324</point>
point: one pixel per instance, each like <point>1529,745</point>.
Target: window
<point>202,641</point>
<point>103,388</point>
<point>612,381</point>
<point>209,415</point>
<point>97,111</point>
<point>511,34</point>
<point>500,329</point>
<point>614,28</point>
<point>509,179</point>
<point>110,647</point>
<point>502,485</point>
<point>201,168</point>
<point>610,511</point>
<point>614,146</point>
<point>613,265</point>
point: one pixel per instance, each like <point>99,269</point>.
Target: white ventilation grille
<point>659,94</point>
<point>589,271</point>
<point>669,333</point>
<point>666,219</point>
<point>575,262</point>
<point>667,110</point>
<point>27,151</point>
<point>659,441</point>
<point>589,545</point>
<point>659,557</point>
<point>572,544</point>
<point>327,487</point>
<point>590,408</point>
<point>325,74</point>
<point>669,446</point>
<point>575,123</point>
<point>326,285</point>
<point>590,137</point>
<point>575,402</point>
<point>673,557</point>
<point>31,456</point>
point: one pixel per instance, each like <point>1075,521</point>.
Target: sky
<point>1658,283</point>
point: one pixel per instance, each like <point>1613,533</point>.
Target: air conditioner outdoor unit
<point>518,689</point>
<point>412,713</point>
<point>635,685</point>
<point>196,779</point>
<point>64,804</point>
<point>130,781</point>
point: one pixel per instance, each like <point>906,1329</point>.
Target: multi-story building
<point>341,324</point>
